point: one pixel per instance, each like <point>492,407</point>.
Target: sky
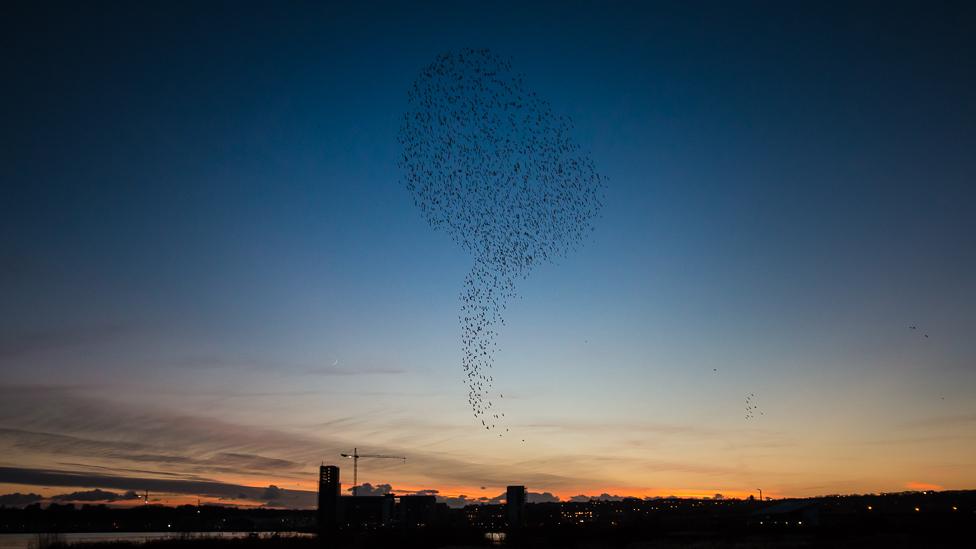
<point>213,277</point>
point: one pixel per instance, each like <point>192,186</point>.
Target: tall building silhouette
<point>414,511</point>
<point>367,512</point>
<point>329,490</point>
<point>515,506</point>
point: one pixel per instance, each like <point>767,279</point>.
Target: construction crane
<point>355,455</point>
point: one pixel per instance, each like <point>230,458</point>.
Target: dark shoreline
<point>910,519</point>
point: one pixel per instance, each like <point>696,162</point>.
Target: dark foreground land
<point>917,519</point>
<point>588,540</point>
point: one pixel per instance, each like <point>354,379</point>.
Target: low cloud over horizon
<point>96,495</point>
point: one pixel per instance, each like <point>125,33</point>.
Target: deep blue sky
<point>204,199</point>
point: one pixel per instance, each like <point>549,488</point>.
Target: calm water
<point>24,541</point>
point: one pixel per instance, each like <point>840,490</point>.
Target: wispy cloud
<point>15,345</point>
<point>220,462</point>
<point>933,422</point>
<point>644,427</point>
<point>341,371</point>
<point>45,477</point>
<point>108,433</point>
<point>213,362</point>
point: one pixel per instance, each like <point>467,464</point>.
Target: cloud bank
<point>19,500</point>
<point>96,495</point>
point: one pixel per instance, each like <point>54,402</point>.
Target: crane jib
<point>355,455</point>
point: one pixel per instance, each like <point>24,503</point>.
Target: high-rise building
<point>515,506</point>
<point>367,512</point>
<point>329,491</point>
<point>414,511</point>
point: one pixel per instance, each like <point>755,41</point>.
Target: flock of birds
<point>915,329</point>
<point>752,407</point>
<point>490,164</point>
